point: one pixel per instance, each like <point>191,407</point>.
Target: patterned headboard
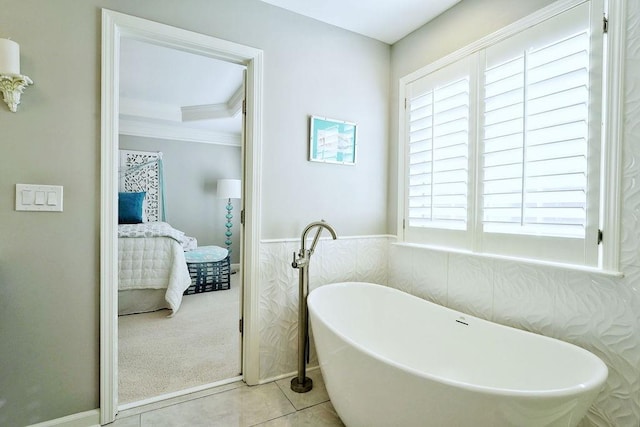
<point>142,171</point>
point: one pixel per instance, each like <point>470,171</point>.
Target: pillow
<point>130,207</point>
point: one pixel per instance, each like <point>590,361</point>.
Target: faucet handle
<point>294,263</point>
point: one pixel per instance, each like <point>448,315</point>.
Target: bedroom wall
<point>49,262</point>
<point>599,313</point>
<point>191,172</point>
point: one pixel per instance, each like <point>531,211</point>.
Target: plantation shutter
<point>535,140</point>
<point>439,139</point>
<point>539,142</point>
<point>438,133</point>
<point>502,145</point>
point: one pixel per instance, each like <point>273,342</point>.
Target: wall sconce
<point>12,83</point>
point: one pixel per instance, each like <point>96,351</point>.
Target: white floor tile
<point>318,415</point>
<point>238,405</point>
<point>243,406</point>
<point>304,400</point>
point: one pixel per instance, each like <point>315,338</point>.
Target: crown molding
<point>149,110</point>
<point>135,126</point>
<point>215,111</point>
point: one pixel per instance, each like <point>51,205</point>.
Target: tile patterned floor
<point>267,405</point>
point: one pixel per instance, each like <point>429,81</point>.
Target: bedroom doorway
<point>180,144</point>
<point>121,32</point>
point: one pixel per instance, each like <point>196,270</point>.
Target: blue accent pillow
<point>130,207</point>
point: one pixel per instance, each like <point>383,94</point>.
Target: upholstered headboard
<point>142,171</point>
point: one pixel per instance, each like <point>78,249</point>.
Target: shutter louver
<point>535,141</point>
<point>438,156</point>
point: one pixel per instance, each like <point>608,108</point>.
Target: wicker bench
<point>209,268</point>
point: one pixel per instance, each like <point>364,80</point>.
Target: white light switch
<point>51,198</point>
<point>39,197</point>
<point>27,197</point>
<point>35,197</point>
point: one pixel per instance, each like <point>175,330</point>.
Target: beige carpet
<point>199,345</point>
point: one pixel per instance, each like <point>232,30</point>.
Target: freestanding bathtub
<point>391,359</point>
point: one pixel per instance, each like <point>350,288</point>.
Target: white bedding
<point>153,263</point>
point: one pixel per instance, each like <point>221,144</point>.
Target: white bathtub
<point>392,359</point>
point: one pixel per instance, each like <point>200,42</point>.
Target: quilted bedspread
<point>151,229</point>
<point>153,263</point>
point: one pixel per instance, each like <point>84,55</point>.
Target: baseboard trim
<point>82,419</point>
<point>288,375</point>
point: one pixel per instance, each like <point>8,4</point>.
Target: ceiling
<point>170,94</point>
<point>384,20</point>
<point>166,91</point>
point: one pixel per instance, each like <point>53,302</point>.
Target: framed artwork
<point>332,141</point>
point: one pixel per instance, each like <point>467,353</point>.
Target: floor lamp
<point>229,189</point>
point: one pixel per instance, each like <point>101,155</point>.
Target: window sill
<point>564,266</point>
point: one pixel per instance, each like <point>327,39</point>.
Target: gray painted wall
<point>49,262</point>
<point>191,172</point>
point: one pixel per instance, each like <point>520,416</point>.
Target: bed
<point>152,270</point>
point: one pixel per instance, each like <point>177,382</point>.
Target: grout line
<point>285,395</point>
<point>281,416</point>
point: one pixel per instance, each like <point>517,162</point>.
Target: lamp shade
<point>229,189</point>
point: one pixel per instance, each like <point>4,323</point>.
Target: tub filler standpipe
<point>301,383</point>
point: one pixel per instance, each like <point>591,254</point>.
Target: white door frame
<point>116,25</point>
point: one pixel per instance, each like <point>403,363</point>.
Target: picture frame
<point>332,141</point>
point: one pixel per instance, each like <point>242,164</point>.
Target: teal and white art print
<point>332,141</point>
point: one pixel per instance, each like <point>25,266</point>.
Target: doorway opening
<point>180,143</point>
<point>118,29</point>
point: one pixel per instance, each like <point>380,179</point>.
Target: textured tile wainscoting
<point>346,259</point>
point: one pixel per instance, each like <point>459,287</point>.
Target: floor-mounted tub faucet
<point>301,383</point>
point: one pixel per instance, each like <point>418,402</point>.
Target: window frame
<point>609,159</point>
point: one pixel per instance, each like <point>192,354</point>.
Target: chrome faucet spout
<point>320,224</point>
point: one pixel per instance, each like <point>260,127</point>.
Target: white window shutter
<point>503,141</point>
<point>535,141</point>
<point>439,155</point>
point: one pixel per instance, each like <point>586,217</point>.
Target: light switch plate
<point>36,197</point>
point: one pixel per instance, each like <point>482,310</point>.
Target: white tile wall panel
<point>278,305</point>
<point>400,267</point>
<point>630,217</point>
<point>470,285</point>
<point>337,260</point>
<point>372,260</point>
<point>630,203</point>
<point>633,30</point>
<point>345,259</point>
<point>524,295</point>
<point>429,275</point>
<point>595,312</point>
